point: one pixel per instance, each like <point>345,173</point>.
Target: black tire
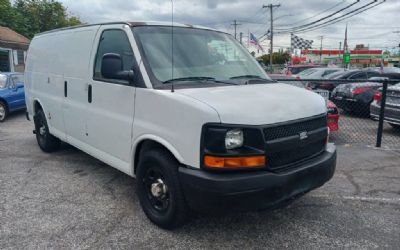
<point>47,142</point>
<point>395,126</point>
<point>169,210</point>
<point>3,111</point>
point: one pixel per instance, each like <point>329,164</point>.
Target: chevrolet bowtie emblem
<point>303,135</point>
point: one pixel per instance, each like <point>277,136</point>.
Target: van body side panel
<point>78,45</point>
<point>44,77</point>
<point>175,118</point>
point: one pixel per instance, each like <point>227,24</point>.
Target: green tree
<point>280,57</point>
<point>30,17</point>
<point>9,17</point>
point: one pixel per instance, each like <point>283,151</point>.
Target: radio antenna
<point>172,45</point>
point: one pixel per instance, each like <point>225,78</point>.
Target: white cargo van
<point>186,110</point>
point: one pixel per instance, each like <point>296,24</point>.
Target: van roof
<point>132,24</point>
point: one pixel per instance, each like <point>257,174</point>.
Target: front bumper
<point>219,192</point>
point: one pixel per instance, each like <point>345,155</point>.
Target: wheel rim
<point>42,130</point>
<point>157,191</point>
<point>2,112</point>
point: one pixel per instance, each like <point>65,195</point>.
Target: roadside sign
<point>346,58</point>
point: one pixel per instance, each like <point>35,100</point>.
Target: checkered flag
<point>299,43</point>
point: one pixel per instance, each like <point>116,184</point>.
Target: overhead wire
<point>323,18</point>
<point>338,19</point>
<point>320,13</point>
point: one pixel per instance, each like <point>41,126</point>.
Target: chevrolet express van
<point>186,110</point>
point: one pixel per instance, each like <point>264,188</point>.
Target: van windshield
<point>197,54</point>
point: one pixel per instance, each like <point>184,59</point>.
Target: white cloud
<point>374,27</point>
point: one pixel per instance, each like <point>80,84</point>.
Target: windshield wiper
<point>246,76</point>
<point>252,77</point>
<point>198,78</point>
<point>190,78</point>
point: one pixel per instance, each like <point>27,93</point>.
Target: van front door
<point>111,102</point>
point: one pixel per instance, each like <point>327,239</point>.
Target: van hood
<point>259,104</point>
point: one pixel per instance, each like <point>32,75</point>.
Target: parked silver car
<point>316,73</point>
<point>392,108</point>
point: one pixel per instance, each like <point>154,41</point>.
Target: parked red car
<point>333,117</point>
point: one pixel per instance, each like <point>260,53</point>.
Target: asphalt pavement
<point>354,129</point>
<point>70,200</point>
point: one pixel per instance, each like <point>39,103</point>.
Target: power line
<point>320,13</point>
<point>338,19</point>
<point>321,19</point>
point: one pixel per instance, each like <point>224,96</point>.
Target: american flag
<point>254,41</point>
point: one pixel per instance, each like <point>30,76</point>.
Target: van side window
<point>113,41</point>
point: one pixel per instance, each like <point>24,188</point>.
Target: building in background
<point>13,47</point>
<point>361,56</point>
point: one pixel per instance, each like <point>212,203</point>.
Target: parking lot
<point>362,131</point>
<point>71,200</point>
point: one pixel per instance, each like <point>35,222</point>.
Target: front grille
<point>282,158</point>
<point>294,128</point>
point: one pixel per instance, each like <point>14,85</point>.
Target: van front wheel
<point>47,142</point>
<point>159,190</point>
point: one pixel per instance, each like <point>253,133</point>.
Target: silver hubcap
<point>158,188</point>
<point>42,130</point>
<point>2,112</point>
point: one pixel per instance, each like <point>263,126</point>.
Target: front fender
<point>157,139</point>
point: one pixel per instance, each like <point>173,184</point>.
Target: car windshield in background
<point>297,70</point>
<point>18,78</point>
<point>338,75</point>
<point>307,72</point>
<point>3,81</point>
<point>197,55</point>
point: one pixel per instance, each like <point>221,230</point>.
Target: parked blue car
<point>12,93</point>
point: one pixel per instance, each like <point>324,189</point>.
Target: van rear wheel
<point>47,142</point>
<point>159,190</point>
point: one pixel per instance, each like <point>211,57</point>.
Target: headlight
<point>234,139</point>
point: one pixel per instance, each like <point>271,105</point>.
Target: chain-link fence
<point>360,111</point>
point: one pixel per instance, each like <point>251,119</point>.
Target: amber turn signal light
<point>234,162</point>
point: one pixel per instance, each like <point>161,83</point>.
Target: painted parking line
<point>358,198</point>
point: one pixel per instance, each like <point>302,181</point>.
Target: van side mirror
<point>112,68</point>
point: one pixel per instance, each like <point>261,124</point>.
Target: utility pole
<point>271,44</point>
<point>397,32</point>
<point>320,49</point>
<point>235,24</point>
<point>241,37</point>
<point>340,51</point>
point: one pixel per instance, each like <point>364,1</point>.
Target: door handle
<point>65,88</point>
<point>90,93</point>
